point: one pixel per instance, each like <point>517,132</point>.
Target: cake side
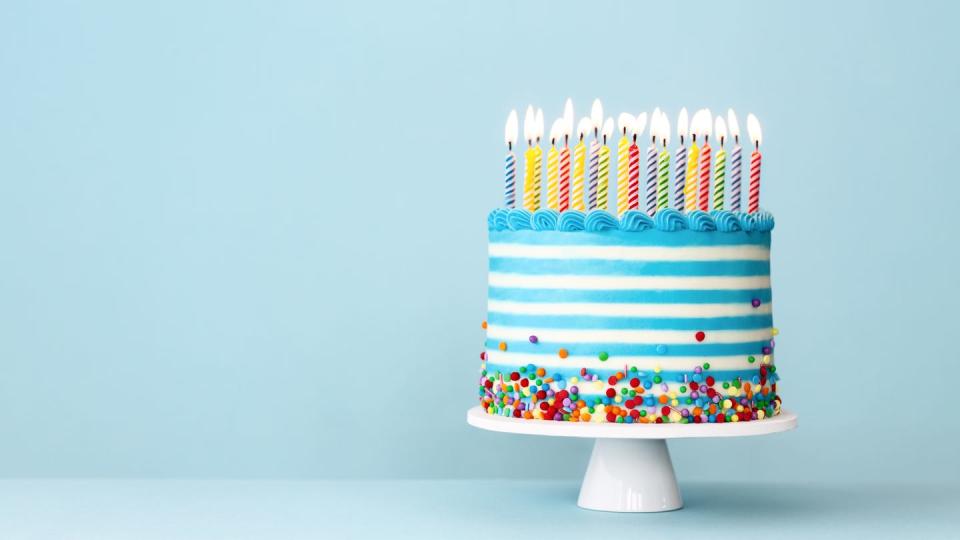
<point>629,320</point>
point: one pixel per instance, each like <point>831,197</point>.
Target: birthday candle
<point>735,166</point>
<point>564,196</point>
<point>756,136</point>
<point>634,169</point>
<point>693,161</point>
<point>705,162</point>
<point>538,155</point>
<point>604,167</point>
<point>681,158</point>
<point>596,118</point>
<point>652,163</point>
<point>579,158</point>
<point>623,151</point>
<point>720,165</point>
<point>510,168</point>
<point>663,165</point>
<point>553,167</point>
<point>530,199</point>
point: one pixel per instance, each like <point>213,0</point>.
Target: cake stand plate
<point>630,468</point>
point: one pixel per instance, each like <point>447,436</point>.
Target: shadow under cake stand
<point>630,468</point>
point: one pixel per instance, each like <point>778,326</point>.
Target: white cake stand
<point>630,468</point>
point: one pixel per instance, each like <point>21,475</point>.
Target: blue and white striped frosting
<point>641,296</point>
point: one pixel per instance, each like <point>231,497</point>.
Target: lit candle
<point>663,165</point>
<point>693,161</point>
<point>531,192</point>
<point>652,163</point>
<point>596,119</point>
<point>553,166</point>
<point>735,167</point>
<point>538,155</point>
<point>579,165</point>
<point>623,151</point>
<point>564,196</point>
<point>634,168</point>
<point>720,165</point>
<point>681,158</point>
<point>705,161</point>
<point>510,132</point>
<point>756,137</point>
<point>606,133</point>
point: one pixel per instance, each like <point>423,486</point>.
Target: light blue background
<point>220,221</point>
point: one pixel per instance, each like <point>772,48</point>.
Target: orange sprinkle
<point>563,353</point>
<point>503,345</point>
<point>484,325</point>
<point>697,411</point>
<point>663,398</point>
<point>713,409</point>
<point>620,375</point>
<point>541,372</point>
<point>585,417</point>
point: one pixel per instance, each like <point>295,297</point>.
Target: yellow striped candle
<point>553,167</point>
<point>531,186</point>
<point>623,157</point>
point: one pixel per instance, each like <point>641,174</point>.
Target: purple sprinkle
<point>694,394</point>
<point>755,302</point>
<point>684,412</point>
<point>574,390</point>
<point>664,387</point>
<point>533,339</point>
<point>558,417</point>
<point>566,402</point>
<point>767,350</point>
<point>698,369</point>
<point>550,393</point>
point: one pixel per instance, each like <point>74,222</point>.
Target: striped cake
<point>631,319</point>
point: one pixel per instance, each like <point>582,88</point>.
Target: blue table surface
<point>461,509</point>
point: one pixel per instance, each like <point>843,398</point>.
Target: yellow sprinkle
<point>656,369</point>
<point>598,385</point>
<point>675,403</point>
<point>774,331</point>
<point>618,399</point>
<point>739,408</point>
<point>734,418</point>
<point>734,391</point>
<point>766,359</point>
<point>673,395</point>
<point>727,404</point>
<point>760,414</point>
<point>573,380</point>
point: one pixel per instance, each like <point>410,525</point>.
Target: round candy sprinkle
<point>775,331</point>
<point>767,350</point>
<point>533,339</point>
<point>603,356</point>
<point>700,336</point>
<point>755,302</point>
<point>563,353</point>
<point>483,355</point>
<point>751,359</point>
<point>503,345</point>
<point>483,325</point>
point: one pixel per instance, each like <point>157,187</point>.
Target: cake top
<point>650,193</point>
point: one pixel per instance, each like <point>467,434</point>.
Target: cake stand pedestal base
<point>630,475</point>
<point>630,469</point>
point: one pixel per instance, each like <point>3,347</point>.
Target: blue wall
<point>210,214</point>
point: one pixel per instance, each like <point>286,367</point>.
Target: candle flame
<point>721,129</point>
<point>732,124</point>
<point>511,129</point>
<point>584,127</point>
<point>607,130</point>
<point>683,124</point>
<point>529,130</point>
<point>596,114</point>
<point>664,128</point>
<point>706,125</point>
<point>568,117</point>
<point>626,123</point>
<point>655,124</point>
<point>753,129</point>
<point>639,124</point>
<point>556,130</point>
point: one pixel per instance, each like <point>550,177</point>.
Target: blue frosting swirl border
<point>668,220</point>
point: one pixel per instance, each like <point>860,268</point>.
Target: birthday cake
<point>659,313</point>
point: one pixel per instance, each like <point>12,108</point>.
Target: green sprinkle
<point>683,389</point>
<point>643,413</point>
<point>751,359</point>
<point>603,356</point>
<point>657,379</point>
<point>706,365</point>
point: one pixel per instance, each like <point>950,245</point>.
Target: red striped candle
<point>634,172</point>
<point>564,178</point>
<point>753,204</point>
<point>705,177</point>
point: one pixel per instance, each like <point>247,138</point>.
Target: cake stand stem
<point>630,475</point>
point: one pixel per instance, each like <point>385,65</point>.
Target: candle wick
<point>681,140</point>
<point>510,146</point>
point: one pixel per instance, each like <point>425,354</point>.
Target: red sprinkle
<point>611,393</point>
<point>612,380</point>
<point>700,336</point>
<point>514,376</point>
<point>710,381</point>
<point>634,382</point>
<point>611,417</point>
<point>665,411</point>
